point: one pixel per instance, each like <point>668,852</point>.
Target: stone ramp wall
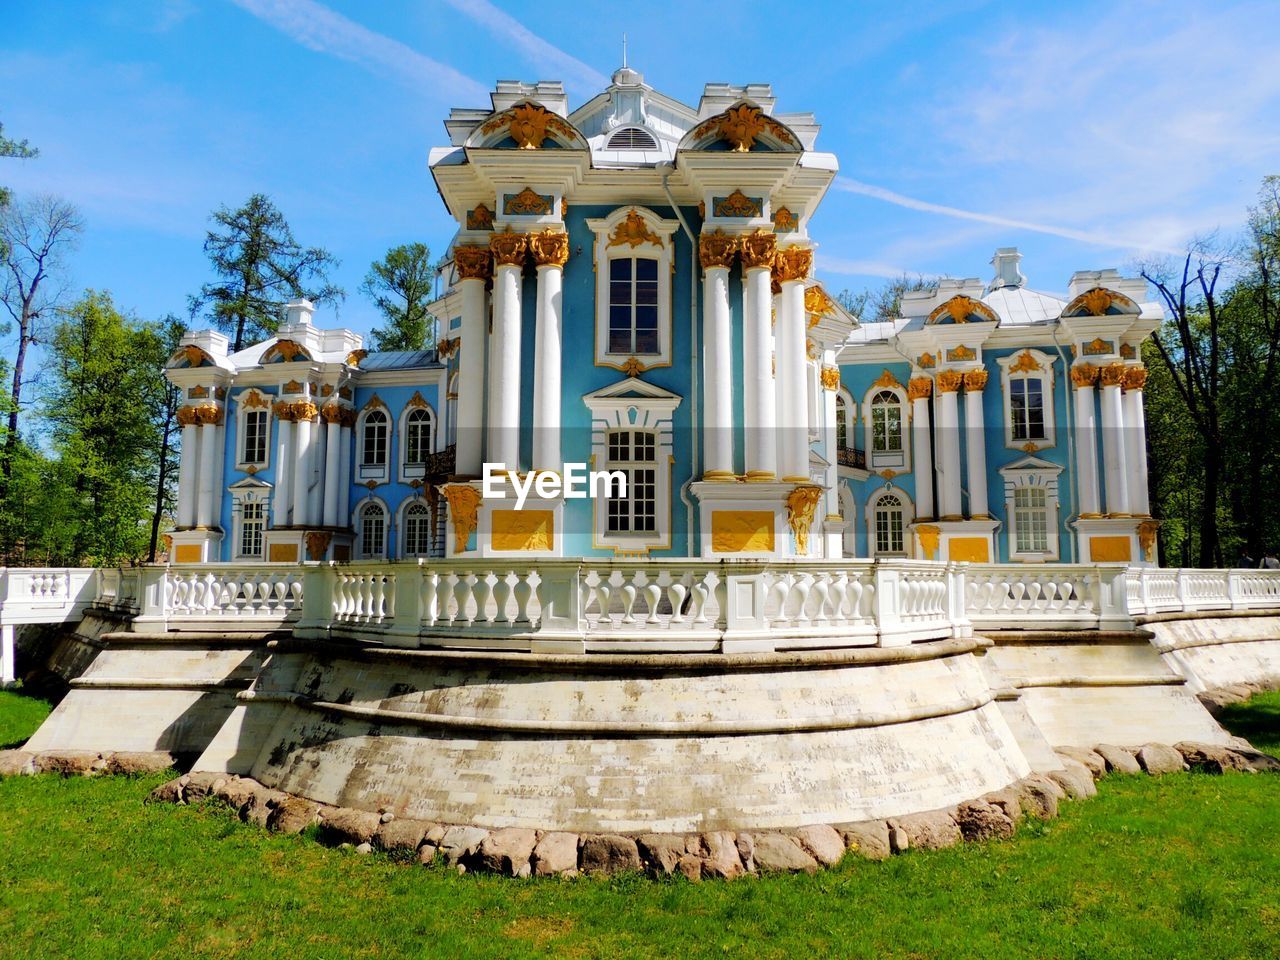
<point>1220,650</point>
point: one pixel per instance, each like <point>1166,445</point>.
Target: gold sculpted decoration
<point>293,386</point>
<point>926,361</point>
<point>1097,347</point>
<point>792,263</point>
<point>717,249</point>
<point>1113,375</point>
<point>343,416</point>
<point>1135,378</point>
<point>816,301</point>
<point>374,402</point>
<point>472,262</point>
<point>194,356</point>
<point>1030,447</point>
<point>961,354</point>
<point>632,367</point>
<point>199,414</point>
<point>287,351</point>
<point>197,393</point>
<point>919,388</point>
<point>737,205</point>
<point>1096,301</point>
<point>633,231</point>
<point>1128,351</point>
<point>1026,363</point>
<point>527,203</point>
<point>255,400</point>
<point>528,125</point>
<point>975,380</point>
<point>549,248</point>
<point>317,543</point>
<point>887,379</point>
<point>757,249</point>
<point>801,504</point>
<point>949,381</point>
<point>887,474</point>
<point>960,308</point>
<point>810,349</point>
<point>417,401</point>
<point>509,249</point>
<point>740,126</point>
<point>296,411</point>
<point>464,504</point>
<point>784,221</point>
<point>1084,375</point>
<point>447,348</point>
<point>355,356</point>
<point>830,378</point>
<point>481,218</point>
<point>929,536</point>
<point>1147,530</point>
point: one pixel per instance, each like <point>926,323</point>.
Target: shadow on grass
<point>1257,720</point>
<point>22,711</point>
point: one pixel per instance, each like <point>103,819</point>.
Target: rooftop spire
<point>624,51</point>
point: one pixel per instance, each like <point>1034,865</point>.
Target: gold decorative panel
<point>742,531</point>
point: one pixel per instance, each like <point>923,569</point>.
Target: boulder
<point>555,853</point>
<point>507,851</point>
<point>16,763</point>
<point>426,854</point>
<point>899,842</point>
<point>1008,801</point>
<point>261,805</point>
<point>1039,796</point>
<point>1257,761</point>
<point>69,763</point>
<point>980,820</point>
<point>1119,760</point>
<point>133,764</point>
<point>459,843</point>
<point>609,853</point>
<point>401,836</point>
<point>690,867</point>
<point>776,853</point>
<point>1094,762</point>
<point>364,849</point>
<point>721,859</point>
<point>746,851</point>
<point>661,852</point>
<point>168,792</point>
<point>1158,759</point>
<point>436,833</point>
<point>236,792</point>
<point>1075,779</point>
<point>823,842</point>
<point>293,815</point>
<point>869,840</point>
<point>197,786</point>
<point>348,825</point>
<point>935,830</point>
<point>1210,757</point>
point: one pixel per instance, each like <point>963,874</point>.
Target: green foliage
<point>259,267</point>
<point>884,302</point>
<point>20,717</point>
<point>400,286</point>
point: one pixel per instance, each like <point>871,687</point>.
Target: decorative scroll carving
<point>887,379</point>
<point>633,231</point>
<point>1147,530</point>
<point>254,400</point>
<point>930,536</point>
<point>1026,363</point>
<point>1113,375</point>
<point>1096,301</point>
<point>338,413</point>
<point>374,402</point>
<point>296,411</point>
<point>1128,351</point>
<point>473,262</point>
<point>792,263</point>
<point>758,250</point>
<point>737,205</point>
<point>717,249</point>
<point>1098,347</point>
<point>285,351</point>
<point>199,414</point>
<point>975,380</point>
<point>194,356</point>
<point>740,126</point>
<point>480,218</point>
<point>527,203</point>
<point>528,125</point>
<point>830,378</point>
<point>1135,378</point>
<point>509,249</point>
<point>197,393</point>
<point>1084,375</point>
<point>464,504</point>
<point>949,381</point>
<point>447,348</point>
<point>784,221</point>
<point>355,356</point>
<point>960,308</point>
<point>919,388</point>
<point>816,301</point>
<point>961,354</point>
<point>317,543</point>
<point>549,248</point>
<point>417,401</point>
<point>801,504</point>
<point>926,361</point>
<point>294,386</point>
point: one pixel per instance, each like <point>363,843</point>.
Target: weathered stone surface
<point>364,849</point>
<point>132,764</point>
<point>1260,762</point>
<point>1075,779</point>
<point>746,851</point>
<point>293,815</point>
<point>435,833</point>
<point>1119,760</point>
<point>196,786</point>
<point>774,852</point>
<point>398,836</point>
<point>507,851</point>
<point>690,866</point>
<point>869,840</point>
<point>609,853</point>
<point>1008,801</point>
<point>348,825</point>
<point>980,820</point>
<point>661,852</point>
<point>1157,759</point>
<point>899,842</point>
<point>260,806</point>
<point>721,860</point>
<point>1093,761</point>
<point>168,792</point>
<point>823,842</point>
<point>1210,758</point>
<point>16,763</point>
<point>426,854</point>
<point>556,853</point>
<point>460,842</point>
<point>69,763</point>
<point>1039,796</point>
<point>935,830</point>
<point>236,792</point>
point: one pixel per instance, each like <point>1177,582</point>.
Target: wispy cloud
<point>1083,236</point>
<point>577,75</point>
<point>319,28</point>
<point>847,266</point>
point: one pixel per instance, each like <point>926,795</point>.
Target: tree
<point>35,234</point>
<point>400,286</point>
<point>259,268</point>
<point>15,150</point>
<point>885,302</point>
<point>164,398</point>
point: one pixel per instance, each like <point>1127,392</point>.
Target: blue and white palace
<point>631,288</point>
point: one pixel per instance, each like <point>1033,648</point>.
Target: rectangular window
<point>886,428</point>
<point>633,305</point>
<point>375,440</point>
<point>1031,520</point>
<point>1026,407</point>
<point>634,452</point>
<point>253,520</point>
<point>254,442</point>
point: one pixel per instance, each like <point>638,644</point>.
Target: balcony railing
<point>849,457</point>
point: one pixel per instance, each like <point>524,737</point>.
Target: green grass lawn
<point>19,718</point>
<point>1185,866</point>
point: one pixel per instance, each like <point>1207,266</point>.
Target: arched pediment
<point>189,355</point>
<point>962,309</point>
<point>743,128</point>
<point>285,351</point>
<point>527,126</point>
<point>1101,302</point>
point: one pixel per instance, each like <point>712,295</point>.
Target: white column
<point>188,476</point>
<point>717,370</point>
<point>975,440</point>
<point>333,476</point>
<point>344,473</point>
<point>301,471</point>
<point>948,443</point>
<point>1135,435</point>
<point>319,444</point>
<point>828,384</point>
<point>8,666</point>
<point>550,251</point>
<point>793,453</point>
<point>760,400</point>
<point>1083,377</point>
<point>283,496</point>
<point>504,351</point>
<point>1113,462</point>
<point>919,390</point>
<point>473,269</point>
<point>209,479</point>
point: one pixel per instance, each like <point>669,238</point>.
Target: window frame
<point>416,471</point>
<point>253,401</point>
<point>357,525</point>
<point>257,492</point>
<point>631,465</point>
<point>403,526</point>
<point>1025,474</point>
<point>897,460</point>
<point>1047,375</point>
<point>364,472</point>
<point>908,508</point>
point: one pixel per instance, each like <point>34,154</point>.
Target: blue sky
<point>1088,134</point>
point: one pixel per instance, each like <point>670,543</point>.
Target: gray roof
<point>400,360</point>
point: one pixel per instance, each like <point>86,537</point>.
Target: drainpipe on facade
<point>666,168</point>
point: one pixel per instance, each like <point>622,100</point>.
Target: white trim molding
<point>415,471</point>
<point>358,527</point>
<point>908,518</point>
<point>254,401</point>
<point>1032,473</point>
<point>1028,364</point>
<point>253,491</point>
<point>899,461</point>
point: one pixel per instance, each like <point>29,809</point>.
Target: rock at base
<point>507,851</point>
<point>137,763</point>
<point>555,853</point>
<point>661,852</point>
<point>823,842</point>
<point>746,851</point>
<point>398,836</point>
<point>776,853</point>
<point>293,815</point>
<point>1008,801</point>
<point>1119,760</point>
<point>935,830</point>
<point>721,860</point>
<point>1210,758</point>
<point>197,786</point>
<point>1093,761</point>
<point>869,840</point>
<point>980,820</point>
<point>609,853</point>
<point>1039,796</point>
<point>1158,759</point>
<point>261,805</point>
<point>69,763</point>
<point>1075,779</point>
<point>168,792</point>
<point>690,867</point>
<point>16,763</point>
<point>1258,761</point>
<point>348,825</point>
<point>461,842</point>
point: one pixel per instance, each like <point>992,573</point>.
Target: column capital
<point>199,414</point>
<point>1113,375</point>
<point>473,262</point>
<point>717,249</point>
<point>830,378</point>
<point>1084,375</point>
<point>758,250</point>
<point>975,381</point>
<point>509,249</point>
<point>338,413</point>
<point>949,381</point>
<point>792,263</point>
<point>919,388</point>
<point>549,248</point>
<point>297,411</point>
<point>1135,378</point>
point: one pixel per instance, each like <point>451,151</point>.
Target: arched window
<point>373,439</point>
<point>416,529</point>
<point>1027,379</point>
<point>888,526</point>
<point>372,530</point>
<point>842,423</point>
<point>886,423</point>
<point>419,434</point>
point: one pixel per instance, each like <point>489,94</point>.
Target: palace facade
<point>632,288</point>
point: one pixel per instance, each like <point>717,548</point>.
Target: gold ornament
<point>481,218</point>
<point>528,125</point>
<point>1026,363</point>
<point>758,250</point>
<point>464,504</point>
<point>929,536</point>
<point>784,221</point>
<point>740,126</point>
<point>632,367</point>
<point>473,262</point>
<point>549,248</point>
<point>1084,375</point>
<point>1147,530</point>
<point>737,205</point>
<point>926,361</point>
<point>1135,378</point>
<point>919,388</point>
<point>527,203</point>
<point>830,378</point>
<point>1113,375</point>
<point>792,263</point>
<point>633,231</point>
<point>949,381</point>
<point>961,354</point>
<point>817,302</point>
<point>317,543</point>
<point>1096,301</point>
<point>801,504</point>
<point>887,379</point>
<point>717,249</point>
<point>447,348</point>
<point>975,380</point>
<point>509,249</point>
<point>355,356</point>
<point>1098,347</point>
